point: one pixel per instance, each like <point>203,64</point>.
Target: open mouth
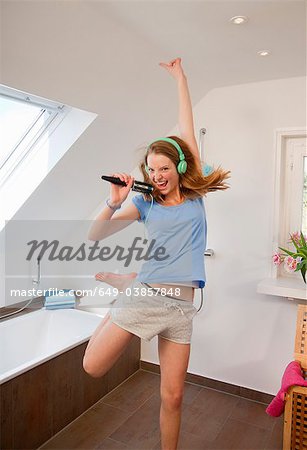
<point>161,185</point>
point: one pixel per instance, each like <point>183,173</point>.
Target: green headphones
<point>182,165</point>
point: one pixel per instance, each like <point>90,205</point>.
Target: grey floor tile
<point>190,393</point>
<point>275,441</point>
<point>128,419</point>
<point>201,423</point>
<point>130,395</point>
<point>89,429</point>
<point>214,403</point>
<point>252,413</point>
<point>110,444</point>
<point>189,442</point>
<point>238,435</point>
<point>141,430</point>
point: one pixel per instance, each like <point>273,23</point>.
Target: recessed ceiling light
<point>263,53</point>
<point>238,20</point>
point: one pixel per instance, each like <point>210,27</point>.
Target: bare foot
<point>119,281</point>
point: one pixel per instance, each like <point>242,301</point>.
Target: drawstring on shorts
<point>167,304</point>
<point>174,305</point>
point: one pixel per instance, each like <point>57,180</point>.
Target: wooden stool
<point>295,416</point>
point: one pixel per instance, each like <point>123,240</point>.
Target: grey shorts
<point>146,315</point>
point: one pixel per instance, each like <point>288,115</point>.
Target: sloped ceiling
<point>103,57</point>
<point>216,52</point>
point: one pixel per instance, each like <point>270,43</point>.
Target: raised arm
<point>185,119</point>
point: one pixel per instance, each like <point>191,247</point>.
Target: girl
<point>172,165</point>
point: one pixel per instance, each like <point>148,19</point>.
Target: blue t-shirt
<point>182,231</point>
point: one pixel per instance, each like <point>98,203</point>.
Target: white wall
<point>242,337</point>
<point>82,57</point>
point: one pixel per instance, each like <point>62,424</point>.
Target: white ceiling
<point>126,40</point>
<point>214,51</point>
<point>114,48</point>
<point>103,57</point>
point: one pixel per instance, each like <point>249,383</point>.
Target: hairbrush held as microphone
<point>138,186</point>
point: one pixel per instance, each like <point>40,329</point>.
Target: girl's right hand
<point>118,194</point>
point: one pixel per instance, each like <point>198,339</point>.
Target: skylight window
<point>23,121</point>
<point>35,133</point>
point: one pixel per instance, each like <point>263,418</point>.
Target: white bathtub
<point>29,340</point>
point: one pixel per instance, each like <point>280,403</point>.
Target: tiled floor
<point>128,418</point>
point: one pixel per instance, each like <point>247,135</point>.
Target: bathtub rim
<point>31,364</point>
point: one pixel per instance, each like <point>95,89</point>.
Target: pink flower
<point>277,258</point>
<point>296,237</point>
<point>290,264</point>
<point>298,257</point>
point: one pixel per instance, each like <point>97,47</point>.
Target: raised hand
<point>174,68</point>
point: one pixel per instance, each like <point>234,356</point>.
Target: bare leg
<point>119,281</point>
<point>116,280</point>
<point>109,340</point>
<point>174,359</point>
<point>109,344</point>
<point>98,329</point>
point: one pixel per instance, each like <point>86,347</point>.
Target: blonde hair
<point>193,183</point>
